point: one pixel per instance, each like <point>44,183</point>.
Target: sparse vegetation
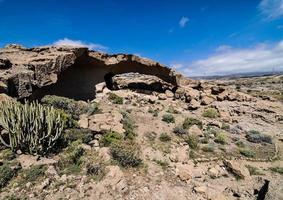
<point>31,127</point>
<point>192,141</point>
<point>74,108</point>
<point>225,126</point>
<point>128,125</point>
<point>210,113</point>
<point>114,98</point>
<point>163,164</point>
<point>179,130</point>
<point>6,174</point>
<point>7,154</point>
<point>126,153</point>
<point>208,148</point>
<point>151,136</point>
<point>154,112</point>
<point>33,173</point>
<point>168,118</point>
<point>77,134</point>
<point>110,137</point>
<point>247,153</point>
<point>164,137</point>
<point>254,170</point>
<point>221,138</point>
<point>240,144</point>
<point>277,170</point>
<point>71,161</point>
<point>257,137</point>
<point>188,122</point>
<point>172,110</point>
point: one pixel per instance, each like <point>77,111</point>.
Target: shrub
<point>253,170</point>
<point>151,136</point>
<point>192,141</point>
<point>247,153</point>
<point>225,126</point>
<point>240,144</point>
<point>110,137</point>
<point>75,108</point>
<point>172,110</point>
<point>126,153</point>
<point>179,130</point>
<point>114,98</point>
<point>277,169</point>
<point>208,148</point>
<point>210,113</point>
<point>168,118</point>
<point>7,154</point>
<point>33,173</point>
<point>154,112</point>
<point>72,159</point>
<point>257,137</point>
<point>6,174</point>
<point>32,127</point>
<point>188,122</point>
<point>83,135</point>
<point>164,137</point>
<point>128,125</point>
<point>163,164</point>
<point>221,138</point>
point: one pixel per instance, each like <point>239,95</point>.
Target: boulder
<point>193,105</point>
<point>184,172</point>
<point>169,94</point>
<point>83,121</point>
<point>237,168</point>
<point>206,100</point>
<point>99,87</point>
<point>195,130</point>
<point>162,96</point>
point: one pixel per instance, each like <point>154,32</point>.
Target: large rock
<point>237,168</point>
<point>140,81</point>
<point>59,70</point>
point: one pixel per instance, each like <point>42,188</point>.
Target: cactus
<point>31,127</point>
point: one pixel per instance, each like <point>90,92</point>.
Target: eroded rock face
<point>69,71</point>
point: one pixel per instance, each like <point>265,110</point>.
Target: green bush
<point>164,137</point>
<point>188,122</point>
<point>32,128</point>
<point>72,135</point>
<point>257,137</point>
<point>277,169</point>
<point>33,173</point>
<point>253,170</point>
<point>75,108</point>
<point>126,153</point>
<point>6,174</point>
<point>192,141</point>
<point>154,112</point>
<point>168,118</point>
<point>221,138</point>
<point>7,154</point>
<point>128,125</point>
<point>72,159</point>
<point>208,148</point>
<point>172,110</point>
<point>179,130</point>
<point>210,113</point>
<point>240,144</point>
<point>225,126</point>
<point>247,153</point>
<point>110,137</point>
<point>114,98</point>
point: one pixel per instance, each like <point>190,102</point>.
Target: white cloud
<point>79,43</point>
<point>183,22</point>
<point>261,58</point>
<point>271,9</point>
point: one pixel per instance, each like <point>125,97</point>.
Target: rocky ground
<point>203,141</point>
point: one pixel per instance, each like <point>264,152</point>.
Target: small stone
<point>99,87</point>
<point>162,96</point>
<point>237,168</point>
<point>83,121</point>
<point>195,130</point>
<point>94,143</point>
<point>169,94</point>
<point>213,172</point>
<point>194,104</point>
<point>200,189</point>
<point>183,172</point>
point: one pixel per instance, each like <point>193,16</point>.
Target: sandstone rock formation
<point>68,71</point>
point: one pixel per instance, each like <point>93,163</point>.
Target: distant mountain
<point>238,75</point>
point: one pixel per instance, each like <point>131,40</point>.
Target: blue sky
<point>196,37</point>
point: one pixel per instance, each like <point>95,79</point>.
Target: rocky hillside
<point>124,127</point>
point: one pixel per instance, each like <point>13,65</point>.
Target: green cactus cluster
<point>31,127</point>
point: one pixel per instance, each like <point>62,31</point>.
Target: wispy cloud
<point>271,9</point>
<point>183,22</point>
<point>177,65</point>
<point>79,43</point>
<point>260,58</point>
